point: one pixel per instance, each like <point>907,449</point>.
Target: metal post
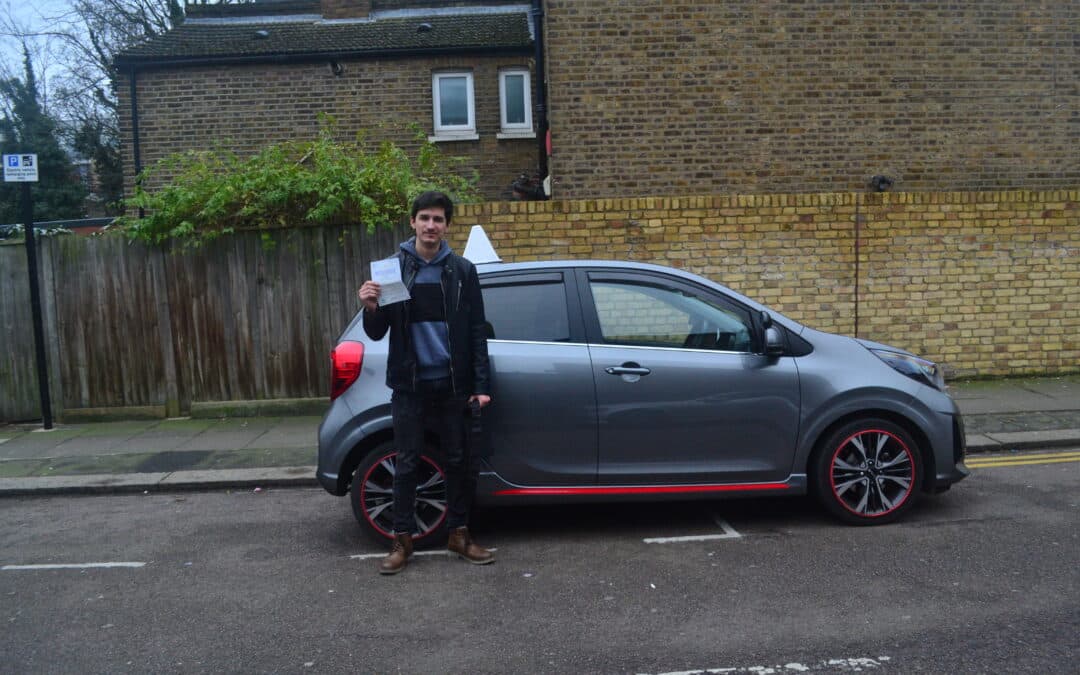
<point>35,307</point>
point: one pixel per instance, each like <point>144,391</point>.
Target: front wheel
<point>868,472</point>
<point>372,496</point>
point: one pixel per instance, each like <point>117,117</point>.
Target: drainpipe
<point>541,88</point>
<point>136,154</point>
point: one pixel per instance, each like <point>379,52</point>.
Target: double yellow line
<point>1022,460</point>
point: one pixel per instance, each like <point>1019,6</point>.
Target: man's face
<point>430,226</point>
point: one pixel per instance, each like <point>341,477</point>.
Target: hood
<point>870,344</point>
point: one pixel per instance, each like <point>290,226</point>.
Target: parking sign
<point>20,168</point>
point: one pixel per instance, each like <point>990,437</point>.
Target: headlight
<point>917,369</point>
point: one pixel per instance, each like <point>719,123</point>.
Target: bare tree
<point>76,45</point>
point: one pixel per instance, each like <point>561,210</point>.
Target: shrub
<point>322,181</point>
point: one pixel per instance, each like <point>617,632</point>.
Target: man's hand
<point>369,295</point>
<point>482,399</point>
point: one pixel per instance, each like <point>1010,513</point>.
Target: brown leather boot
<point>462,544</point>
<point>399,555</point>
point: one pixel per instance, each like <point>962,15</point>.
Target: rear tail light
<point>345,362</point>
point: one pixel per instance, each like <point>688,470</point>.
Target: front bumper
<point>954,470</point>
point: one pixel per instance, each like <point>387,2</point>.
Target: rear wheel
<point>868,472</point>
<point>372,495</point>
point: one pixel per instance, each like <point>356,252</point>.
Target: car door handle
<point>627,369</point>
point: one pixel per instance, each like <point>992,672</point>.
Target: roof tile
<point>201,40</point>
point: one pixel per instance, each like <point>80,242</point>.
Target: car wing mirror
<point>774,342</point>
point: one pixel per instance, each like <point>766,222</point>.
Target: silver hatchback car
<point>628,381</point>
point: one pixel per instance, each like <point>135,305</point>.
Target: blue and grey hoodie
<point>427,314</point>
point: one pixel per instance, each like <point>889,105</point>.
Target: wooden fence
<point>246,317</point>
<point>18,379</point>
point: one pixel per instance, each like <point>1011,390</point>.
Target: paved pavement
<point>249,452</point>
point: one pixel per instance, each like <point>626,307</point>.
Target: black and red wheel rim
<point>377,496</point>
<point>872,473</point>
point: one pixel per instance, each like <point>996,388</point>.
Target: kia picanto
<point>631,381</point>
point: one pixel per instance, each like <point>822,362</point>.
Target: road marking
<point>729,533</point>
<point>369,556</point>
<point>829,665</point>
<point>1022,460</point>
<point>983,465</point>
<point>73,566</point>
<point>1026,455</point>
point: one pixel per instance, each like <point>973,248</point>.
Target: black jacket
<point>465,323</point>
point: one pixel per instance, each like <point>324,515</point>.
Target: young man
<point>436,366</point>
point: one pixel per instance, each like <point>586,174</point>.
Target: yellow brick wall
<point>987,283</point>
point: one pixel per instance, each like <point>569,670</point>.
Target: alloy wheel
<point>872,473</point>
<point>377,496</point>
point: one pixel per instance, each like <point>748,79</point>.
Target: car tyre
<point>372,496</point>
<point>868,472</point>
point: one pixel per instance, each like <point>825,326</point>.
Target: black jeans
<point>434,402</point>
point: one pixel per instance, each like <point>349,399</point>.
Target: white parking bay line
<point>72,566</point>
<point>369,556</point>
<point>729,533</point>
<point>828,665</point>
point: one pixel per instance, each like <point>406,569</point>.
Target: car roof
<point>629,266</point>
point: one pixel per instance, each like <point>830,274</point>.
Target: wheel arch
<point>922,442</point>
<point>357,454</point>
<point>367,445</point>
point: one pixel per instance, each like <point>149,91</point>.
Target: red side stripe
<point>643,490</point>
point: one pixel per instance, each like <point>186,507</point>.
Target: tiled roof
<point>308,37</point>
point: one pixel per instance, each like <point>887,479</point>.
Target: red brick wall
<point>651,97</point>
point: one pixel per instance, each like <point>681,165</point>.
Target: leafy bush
<point>323,181</point>
<point>19,231</point>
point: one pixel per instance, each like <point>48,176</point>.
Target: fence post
<point>164,316</point>
<point>52,329</point>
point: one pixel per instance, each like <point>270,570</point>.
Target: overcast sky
<point>30,15</point>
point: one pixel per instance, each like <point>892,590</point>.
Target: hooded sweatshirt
<point>427,326</point>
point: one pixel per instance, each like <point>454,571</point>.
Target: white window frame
<point>519,129</point>
<point>453,132</point>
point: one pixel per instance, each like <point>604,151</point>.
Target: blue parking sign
<point>20,168</point>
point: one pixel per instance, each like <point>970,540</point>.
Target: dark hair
<point>432,199</point>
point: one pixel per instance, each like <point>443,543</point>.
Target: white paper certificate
<point>387,273</point>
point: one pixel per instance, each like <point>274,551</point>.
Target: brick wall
<point>244,108</point>
<point>987,283</point>
<point>651,97</point>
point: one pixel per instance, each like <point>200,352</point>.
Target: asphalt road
<point>982,579</point>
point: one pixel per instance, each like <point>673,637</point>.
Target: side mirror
<point>774,342</point>
<point>766,319</point>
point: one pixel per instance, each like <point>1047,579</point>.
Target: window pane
<point>453,101</point>
<point>527,312</point>
<point>515,98</point>
<point>635,314</point>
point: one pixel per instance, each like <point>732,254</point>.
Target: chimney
<point>345,9</point>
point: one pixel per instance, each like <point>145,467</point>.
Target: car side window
<point>646,315</point>
<point>530,310</point>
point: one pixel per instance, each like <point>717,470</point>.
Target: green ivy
<point>323,181</point>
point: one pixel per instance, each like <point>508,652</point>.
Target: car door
<point>542,420</point>
<point>683,396</point>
